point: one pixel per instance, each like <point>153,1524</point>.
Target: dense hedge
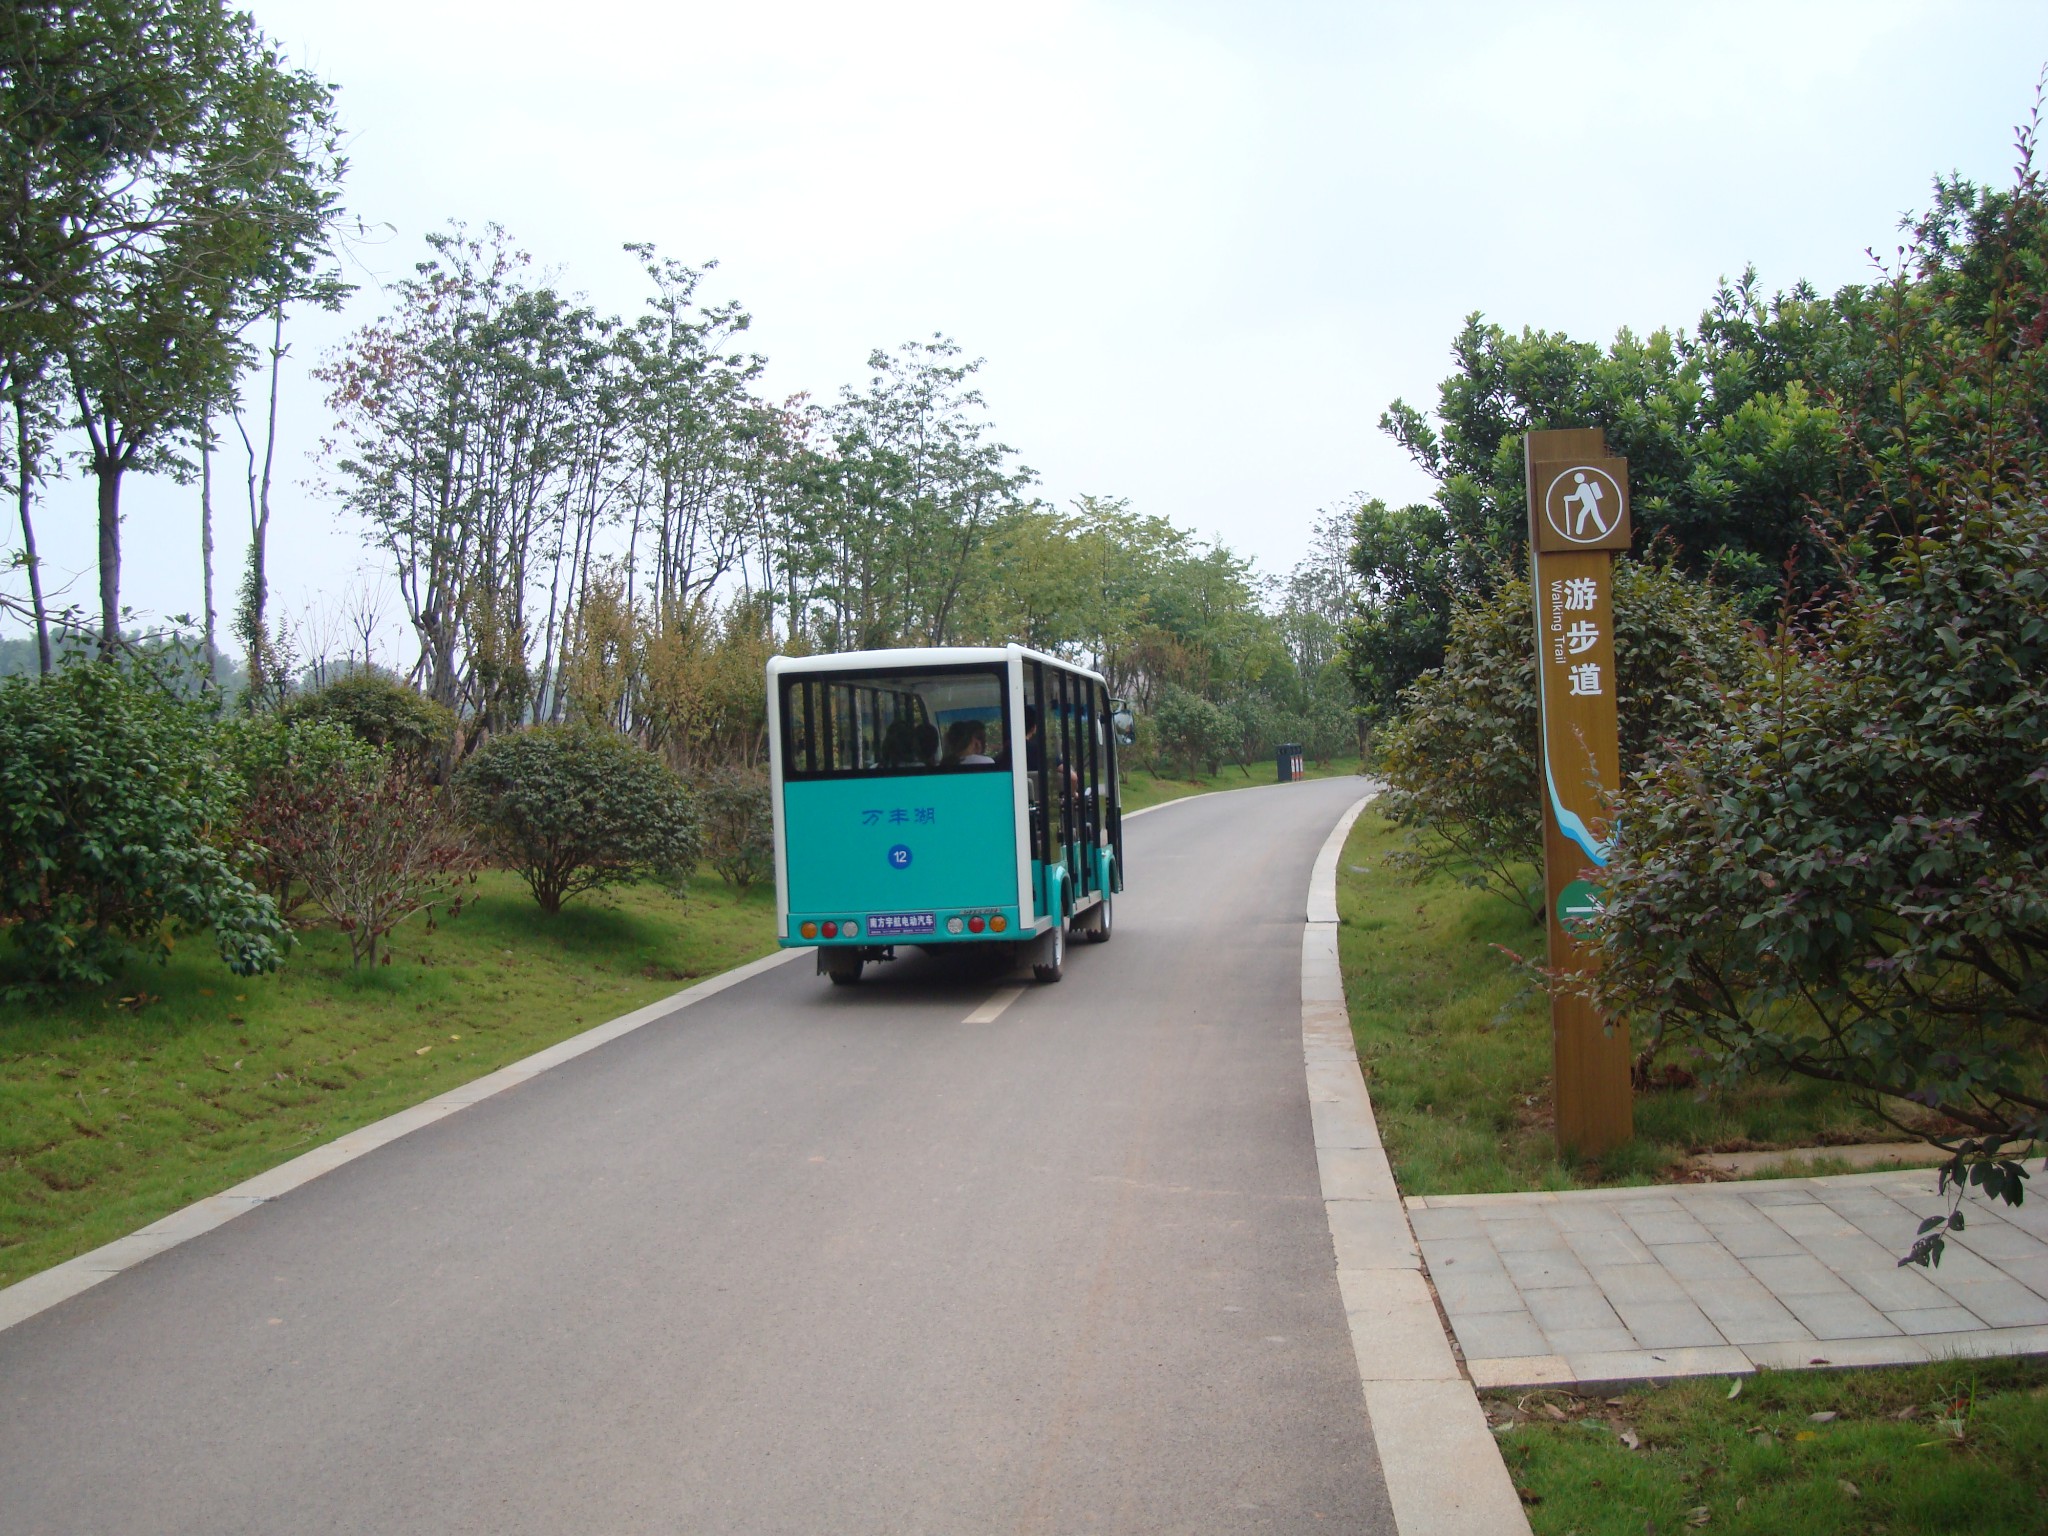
<point>118,829</point>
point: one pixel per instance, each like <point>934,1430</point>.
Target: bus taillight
<point>998,923</point>
<point>831,930</point>
<point>809,930</point>
<point>974,925</point>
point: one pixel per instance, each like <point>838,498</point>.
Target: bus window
<point>837,724</point>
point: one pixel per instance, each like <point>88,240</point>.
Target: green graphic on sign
<point>1579,902</point>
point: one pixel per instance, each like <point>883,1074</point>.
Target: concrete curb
<point>1443,1468</point>
<point>38,1293</point>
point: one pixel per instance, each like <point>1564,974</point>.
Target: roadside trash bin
<point>1287,758</point>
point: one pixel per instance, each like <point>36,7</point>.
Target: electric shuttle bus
<point>965,795</point>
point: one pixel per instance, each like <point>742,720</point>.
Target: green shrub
<point>1848,877</point>
<point>381,710</point>
<point>1460,762</point>
<point>739,826</point>
<point>578,808</point>
<point>115,823</point>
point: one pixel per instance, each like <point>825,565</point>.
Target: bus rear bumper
<point>954,925</point>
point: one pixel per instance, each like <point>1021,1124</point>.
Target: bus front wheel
<point>1053,950</point>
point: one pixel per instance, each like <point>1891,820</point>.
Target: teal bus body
<point>904,816</point>
<point>891,846</point>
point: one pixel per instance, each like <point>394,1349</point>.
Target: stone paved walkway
<point>1607,1285</point>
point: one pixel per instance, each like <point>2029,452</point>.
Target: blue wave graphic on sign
<point>1568,821</point>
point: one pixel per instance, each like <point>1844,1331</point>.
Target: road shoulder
<point>1443,1468</point>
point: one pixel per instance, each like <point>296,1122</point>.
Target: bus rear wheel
<point>1054,948</point>
<point>843,966</point>
<point>1101,921</point>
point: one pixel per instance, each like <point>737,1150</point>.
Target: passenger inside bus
<point>967,745</point>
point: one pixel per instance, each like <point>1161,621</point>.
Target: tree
<point>164,163</point>
<point>575,809</point>
<point>1848,879</point>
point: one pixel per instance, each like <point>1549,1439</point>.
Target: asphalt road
<point>801,1259</point>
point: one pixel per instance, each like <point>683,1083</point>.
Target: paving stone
<point>1371,1234</point>
<point>2001,1303</point>
<point>1540,1269</point>
<point>1587,1217</point>
<point>1862,1205</point>
<point>1988,1343</point>
<point>1591,1341</point>
<point>1779,1192</point>
<point>1847,1316</point>
<point>1609,1248</point>
<point>2032,1273</point>
<point>1524,1234</point>
<point>1668,1324</point>
<point>1356,1173</point>
<point>1895,1290</point>
<point>1469,1255</point>
<point>1663,1227</point>
<point>1646,1364</point>
<point>1395,1331</point>
<point>1744,1311</point>
<point>1959,1266</point>
<point>1460,1294</point>
<point>1560,1309</point>
<point>1343,1123</point>
<point>1521,1371</point>
<point>1813,1220</point>
<point>1999,1241</point>
<point>1491,1335</point>
<point>2031,1218</point>
<point>1442,1224</point>
<point>1895,1350</point>
<point>1631,1203</point>
<point>1754,1237</point>
<point>1636,1282</point>
<point>1802,1275</point>
<point>1850,1250</point>
<point>1443,1469</point>
<point>1936,1320</point>
<point>1703,1261</point>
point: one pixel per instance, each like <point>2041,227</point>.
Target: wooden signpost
<point>1578,521</point>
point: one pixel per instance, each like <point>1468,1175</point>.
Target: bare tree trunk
<point>107,468</point>
<point>25,480</point>
<point>210,639</point>
<point>256,585</point>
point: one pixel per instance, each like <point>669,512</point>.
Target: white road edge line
<point>39,1292</point>
<point>992,1010</point>
<point>1442,1465</point>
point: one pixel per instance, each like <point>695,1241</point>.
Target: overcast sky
<point>1201,246</point>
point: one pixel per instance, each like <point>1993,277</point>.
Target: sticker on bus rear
<point>900,925</point>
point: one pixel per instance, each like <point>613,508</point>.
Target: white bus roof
<point>918,656</point>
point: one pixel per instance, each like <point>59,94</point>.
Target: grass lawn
<point>121,1105</point>
<point>1958,1447</point>
<point>1456,1046</point>
<point>1143,788</point>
